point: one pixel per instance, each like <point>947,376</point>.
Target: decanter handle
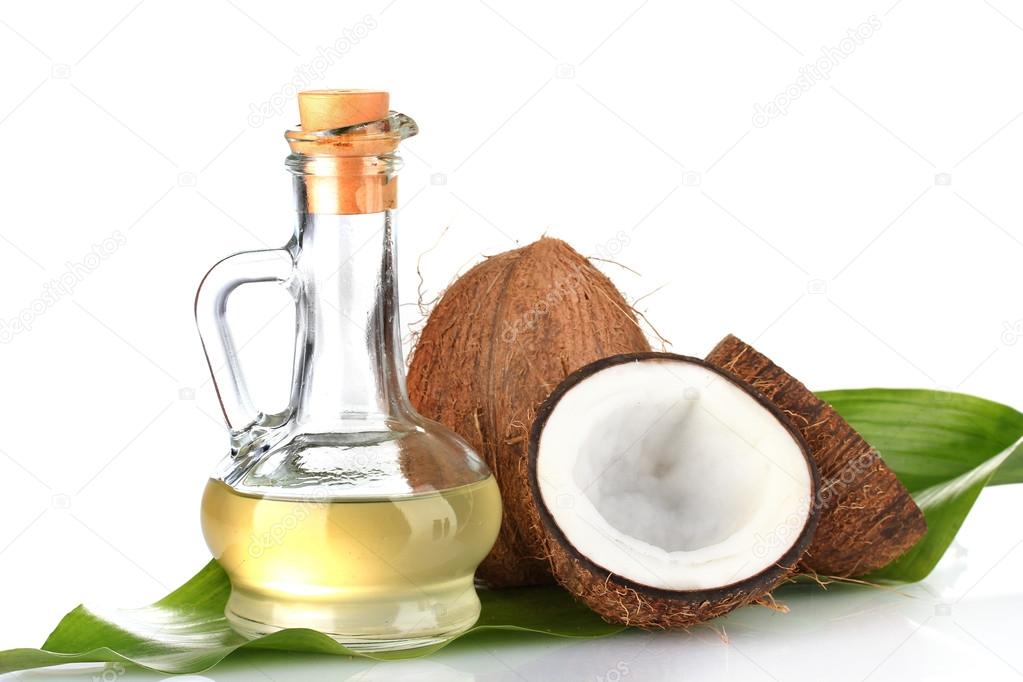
<point>270,265</point>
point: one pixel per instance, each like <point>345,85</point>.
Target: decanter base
<point>360,626</point>
<point>251,629</point>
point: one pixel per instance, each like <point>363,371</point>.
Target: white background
<point>870,235</point>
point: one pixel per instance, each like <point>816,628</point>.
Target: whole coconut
<point>501,338</point>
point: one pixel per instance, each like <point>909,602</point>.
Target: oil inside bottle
<point>374,573</point>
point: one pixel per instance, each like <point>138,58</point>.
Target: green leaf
<point>186,632</point>
<point>944,447</point>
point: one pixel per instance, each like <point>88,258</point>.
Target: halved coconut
<point>867,517</point>
<point>668,492</point>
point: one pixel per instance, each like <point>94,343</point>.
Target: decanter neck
<point>349,364</point>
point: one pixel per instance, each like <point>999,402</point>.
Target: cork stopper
<point>330,109</point>
<point>355,180</point>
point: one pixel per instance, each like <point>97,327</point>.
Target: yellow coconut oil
<point>369,572</point>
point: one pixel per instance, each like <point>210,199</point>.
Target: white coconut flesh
<point>667,474</point>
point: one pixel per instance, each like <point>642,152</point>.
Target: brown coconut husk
<point>620,600</point>
<point>501,338</point>
<point>868,518</point>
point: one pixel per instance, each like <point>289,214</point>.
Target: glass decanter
<point>347,512</point>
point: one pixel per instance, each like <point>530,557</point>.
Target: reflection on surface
<point>843,636</point>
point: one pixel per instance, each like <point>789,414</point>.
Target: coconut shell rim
<point>765,579</point>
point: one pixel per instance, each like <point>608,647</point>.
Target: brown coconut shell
<point>868,518</point>
<point>620,600</point>
<point>501,338</point>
